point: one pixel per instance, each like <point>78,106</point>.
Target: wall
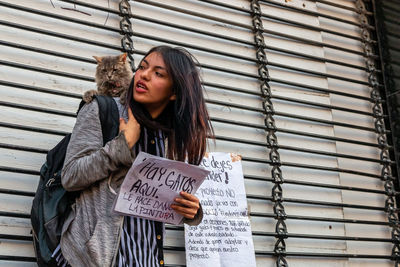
<point>332,190</point>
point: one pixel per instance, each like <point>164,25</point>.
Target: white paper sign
<point>223,238</point>
<point>151,185</point>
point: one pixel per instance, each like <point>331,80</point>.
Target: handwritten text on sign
<point>151,185</point>
<point>224,236</point>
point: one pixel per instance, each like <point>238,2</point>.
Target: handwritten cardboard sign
<point>224,236</point>
<point>151,185</point>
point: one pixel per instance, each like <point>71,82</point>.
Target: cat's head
<point>112,74</point>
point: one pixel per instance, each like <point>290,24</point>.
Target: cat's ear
<point>122,57</point>
<point>98,59</point>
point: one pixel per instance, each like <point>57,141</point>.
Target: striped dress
<point>141,239</point>
<point>141,242</point>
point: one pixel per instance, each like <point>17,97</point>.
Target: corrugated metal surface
<point>320,94</point>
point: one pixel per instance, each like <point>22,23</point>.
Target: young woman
<point>165,105</point>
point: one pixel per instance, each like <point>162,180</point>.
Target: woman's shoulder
<point>87,122</point>
<point>88,113</point>
<point>91,107</point>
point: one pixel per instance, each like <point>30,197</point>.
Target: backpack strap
<point>109,116</point>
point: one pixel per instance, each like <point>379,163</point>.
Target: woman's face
<point>153,85</point>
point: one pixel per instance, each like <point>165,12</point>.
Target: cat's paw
<point>88,95</point>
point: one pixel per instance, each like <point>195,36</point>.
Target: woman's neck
<point>156,111</point>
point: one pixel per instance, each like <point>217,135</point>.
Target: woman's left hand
<point>188,205</point>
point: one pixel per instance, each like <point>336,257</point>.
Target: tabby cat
<point>113,76</point>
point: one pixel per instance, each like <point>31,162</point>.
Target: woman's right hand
<point>131,129</point>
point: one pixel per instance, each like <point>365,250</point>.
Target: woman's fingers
<point>131,129</point>
<point>131,119</point>
<point>188,205</point>
<point>122,124</point>
<point>189,196</point>
<point>186,212</point>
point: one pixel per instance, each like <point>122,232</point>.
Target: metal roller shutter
<point>300,105</point>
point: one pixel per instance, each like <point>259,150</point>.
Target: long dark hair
<point>185,121</point>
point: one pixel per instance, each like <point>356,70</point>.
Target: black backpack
<point>52,204</point>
